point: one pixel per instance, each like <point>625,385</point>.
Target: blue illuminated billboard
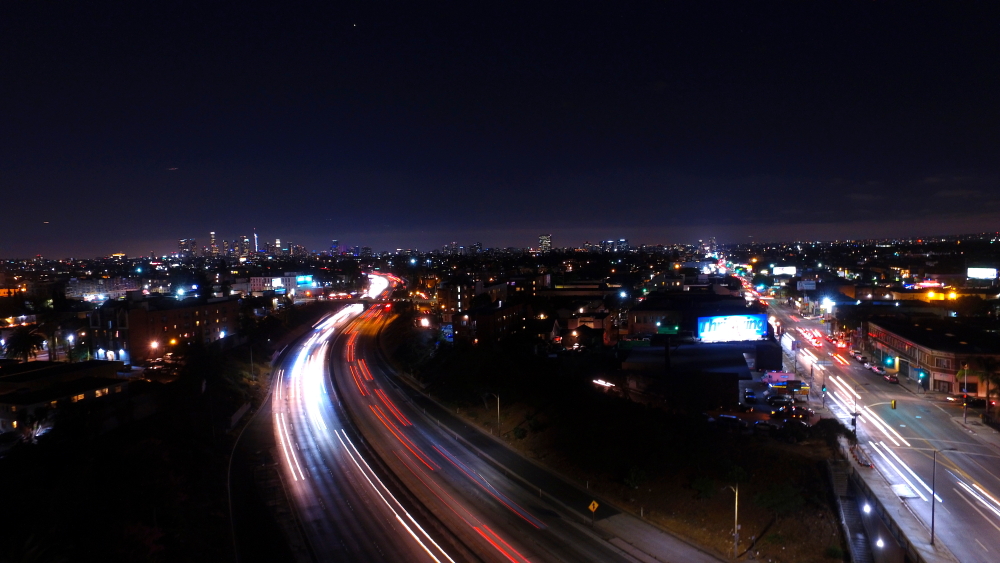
<point>732,328</point>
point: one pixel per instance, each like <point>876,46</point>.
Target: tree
<point>24,343</point>
<point>991,375</point>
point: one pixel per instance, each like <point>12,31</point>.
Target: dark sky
<point>129,125</point>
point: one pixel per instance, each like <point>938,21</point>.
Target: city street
<point>901,443</point>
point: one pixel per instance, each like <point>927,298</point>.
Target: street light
<point>934,488</point>
<point>965,394</point>
<point>736,520</point>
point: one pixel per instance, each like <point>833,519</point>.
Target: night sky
<point>129,125</point>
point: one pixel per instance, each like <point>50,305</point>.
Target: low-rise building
<point>946,355</point>
<point>140,328</point>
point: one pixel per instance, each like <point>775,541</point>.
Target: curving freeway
<point>374,477</point>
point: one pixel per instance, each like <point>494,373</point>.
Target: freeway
<point>374,477</point>
<point>347,509</point>
<point>902,442</point>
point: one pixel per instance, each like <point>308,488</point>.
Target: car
<point>855,353</point>
<point>780,400</point>
<point>765,427</point>
<point>971,401</point>
<point>868,365</point>
<point>862,359</point>
<point>730,422</point>
<point>878,369</point>
<point>890,378</point>
<point>792,412</point>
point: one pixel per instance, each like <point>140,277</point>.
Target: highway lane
<point>902,441</point>
<point>498,519</point>
<point>346,509</point>
<point>386,483</point>
<point>496,516</point>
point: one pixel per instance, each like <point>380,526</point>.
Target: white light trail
<point>379,493</point>
<point>910,471</point>
<point>983,499</point>
<point>898,472</point>
<point>886,428</point>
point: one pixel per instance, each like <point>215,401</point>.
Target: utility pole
<point>965,395</point>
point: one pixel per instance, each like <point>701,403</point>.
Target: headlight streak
<point>910,471</point>
<point>288,448</point>
<point>368,477</point>
<point>876,417</point>
<point>843,385</point>
<point>897,471</point>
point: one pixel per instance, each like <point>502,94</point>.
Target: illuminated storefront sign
<point>732,328</point>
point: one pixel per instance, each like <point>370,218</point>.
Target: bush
<point>782,499</point>
<point>704,487</point>
<point>520,433</point>
<point>634,477</point>
<point>835,552</point>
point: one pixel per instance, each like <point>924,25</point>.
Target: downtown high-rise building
<point>545,244</point>
<point>186,247</point>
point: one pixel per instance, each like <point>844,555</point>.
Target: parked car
<point>749,396</point>
<point>792,412</point>
<point>890,378</point>
<point>777,401</point>
<point>868,365</point>
<point>878,369</point>
<point>765,427</point>
<point>855,353</point>
<point>730,422</point>
<point>862,359</point>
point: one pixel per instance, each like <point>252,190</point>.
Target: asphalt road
<point>902,442</point>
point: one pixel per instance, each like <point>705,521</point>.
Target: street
<point>901,443</point>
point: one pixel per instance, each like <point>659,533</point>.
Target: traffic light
<point>894,404</point>
<point>824,387</point>
<point>965,399</point>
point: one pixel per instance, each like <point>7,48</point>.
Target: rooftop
<point>958,336</point>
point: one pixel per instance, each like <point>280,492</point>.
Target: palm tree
<point>990,374</point>
<point>24,343</point>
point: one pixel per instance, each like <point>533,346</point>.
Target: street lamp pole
<point>965,395</point>
<point>736,521</point>
<point>933,490</point>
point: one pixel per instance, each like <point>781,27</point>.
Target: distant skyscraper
<point>545,243</point>
<point>335,247</point>
<point>186,247</point>
<point>213,247</point>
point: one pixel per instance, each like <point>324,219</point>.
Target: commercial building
<point>946,355</point>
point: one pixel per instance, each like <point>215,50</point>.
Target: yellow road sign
<point>593,506</point>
